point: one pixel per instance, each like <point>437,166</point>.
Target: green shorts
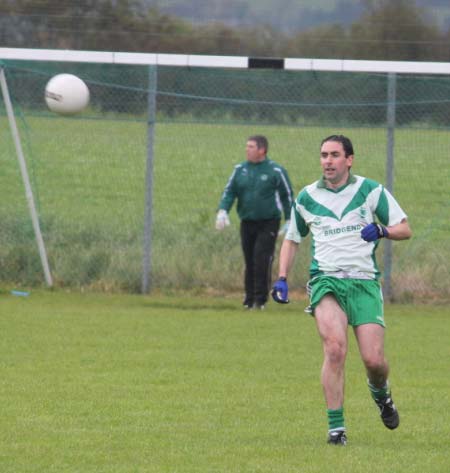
<point>360,299</point>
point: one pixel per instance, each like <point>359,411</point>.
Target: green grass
<point>88,177</point>
<point>122,383</point>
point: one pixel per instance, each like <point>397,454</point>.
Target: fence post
<point>391,109</point>
<point>148,217</point>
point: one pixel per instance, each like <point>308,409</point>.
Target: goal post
<point>127,190</point>
<point>26,180</point>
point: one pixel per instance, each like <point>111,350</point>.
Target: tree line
<point>387,30</point>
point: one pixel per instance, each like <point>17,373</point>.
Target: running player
<point>347,215</point>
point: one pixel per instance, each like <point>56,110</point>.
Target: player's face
<point>336,166</point>
<point>254,154</point>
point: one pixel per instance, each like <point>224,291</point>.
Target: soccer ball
<point>66,94</point>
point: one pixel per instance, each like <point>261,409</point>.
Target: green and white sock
<point>379,393</point>
<point>335,419</point>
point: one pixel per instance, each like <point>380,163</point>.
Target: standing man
<point>347,215</point>
<point>263,191</point>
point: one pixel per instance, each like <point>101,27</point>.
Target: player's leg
<point>263,258</point>
<point>332,324</point>
<point>370,339</point>
<point>248,239</point>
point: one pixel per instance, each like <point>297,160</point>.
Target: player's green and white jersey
<point>335,219</point>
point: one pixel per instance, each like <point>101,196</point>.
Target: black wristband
<point>282,278</point>
<point>382,231</point>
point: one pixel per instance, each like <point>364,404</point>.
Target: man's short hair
<point>346,143</point>
<point>260,140</point>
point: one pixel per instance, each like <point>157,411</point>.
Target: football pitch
<point>173,383</point>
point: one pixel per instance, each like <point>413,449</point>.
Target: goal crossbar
<point>237,62</point>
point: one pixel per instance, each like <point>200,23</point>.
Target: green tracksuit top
<point>263,191</point>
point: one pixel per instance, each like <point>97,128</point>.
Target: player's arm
<point>400,231</point>
<point>286,193</point>
<point>228,194</point>
<point>375,231</point>
<point>287,257</point>
<point>226,202</point>
<point>297,229</point>
<point>387,210</point>
<point>280,289</point>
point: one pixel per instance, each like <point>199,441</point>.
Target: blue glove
<point>280,291</point>
<point>374,231</point>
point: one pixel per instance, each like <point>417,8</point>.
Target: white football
<point>66,94</point>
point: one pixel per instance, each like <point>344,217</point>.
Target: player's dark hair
<point>260,140</point>
<point>346,143</point>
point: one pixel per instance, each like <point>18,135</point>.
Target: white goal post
<point>26,180</point>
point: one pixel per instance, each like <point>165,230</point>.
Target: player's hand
<point>284,228</point>
<point>373,232</point>
<point>222,219</point>
<point>280,291</point>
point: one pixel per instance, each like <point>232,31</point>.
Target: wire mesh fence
<point>88,171</point>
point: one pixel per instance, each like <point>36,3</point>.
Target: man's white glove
<point>222,219</point>
<point>284,228</point>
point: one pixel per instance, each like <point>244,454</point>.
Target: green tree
<point>387,30</point>
<point>395,30</point>
<point>323,42</point>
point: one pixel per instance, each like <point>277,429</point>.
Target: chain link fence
<point>89,181</point>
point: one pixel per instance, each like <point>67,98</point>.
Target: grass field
<point>122,383</point>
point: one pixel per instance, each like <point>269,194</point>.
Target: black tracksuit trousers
<point>258,240</point>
